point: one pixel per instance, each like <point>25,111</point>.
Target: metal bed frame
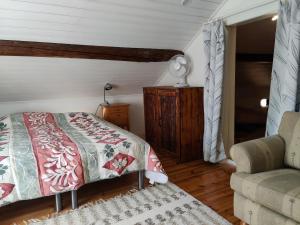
<point>58,199</point>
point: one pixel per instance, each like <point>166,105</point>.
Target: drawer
<point>116,114</point>
<point>116,110</point>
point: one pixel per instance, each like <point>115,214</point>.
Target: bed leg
<point>74,199</point>
<point>58,202</point>
<point>141,179</point>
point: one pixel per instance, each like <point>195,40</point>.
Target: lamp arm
<point>104,95</point>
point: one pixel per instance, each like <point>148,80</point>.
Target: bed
<point>43,154</point>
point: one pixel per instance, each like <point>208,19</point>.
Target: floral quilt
<point>43,154</point>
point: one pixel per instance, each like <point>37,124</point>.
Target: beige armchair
<point>267,182</point>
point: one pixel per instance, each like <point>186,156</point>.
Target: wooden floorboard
<point>207,182</point>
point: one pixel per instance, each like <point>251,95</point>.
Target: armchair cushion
<point>278,190</point>
<point>289,130</point>
<point>253,213</point>
<point>259,155</point>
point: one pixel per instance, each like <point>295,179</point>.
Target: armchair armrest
<point>259,155</point>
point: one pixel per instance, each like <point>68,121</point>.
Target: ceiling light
<point>183,2</point>
<point>264,103</point>
<point>274,18</point>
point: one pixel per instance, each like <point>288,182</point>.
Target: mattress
<point>43,154</point>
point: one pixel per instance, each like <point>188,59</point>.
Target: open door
<point>254,57</point>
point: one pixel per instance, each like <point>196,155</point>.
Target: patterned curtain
<point>285,83</point>
<point>213,40</point>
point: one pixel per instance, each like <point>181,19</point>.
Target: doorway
<point>254,56</point>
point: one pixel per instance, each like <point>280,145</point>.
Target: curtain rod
<point>211,20</point>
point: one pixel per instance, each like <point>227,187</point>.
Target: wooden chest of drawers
<point>116,114</point>
<point>174,120</point>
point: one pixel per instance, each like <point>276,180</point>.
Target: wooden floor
<point>208,183</point>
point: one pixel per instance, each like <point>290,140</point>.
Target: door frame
<point>231,21</point>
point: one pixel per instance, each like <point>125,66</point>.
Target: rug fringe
<point>86,205</point>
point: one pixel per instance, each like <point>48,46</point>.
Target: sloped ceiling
<point>162,24</point>
<point>28,78</point>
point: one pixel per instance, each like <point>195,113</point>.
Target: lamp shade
<point>108,86</point>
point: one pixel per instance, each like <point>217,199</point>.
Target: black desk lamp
<point>107,87</point>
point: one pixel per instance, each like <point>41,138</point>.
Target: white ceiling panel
<point>164,24</point>
<point>130,23</point>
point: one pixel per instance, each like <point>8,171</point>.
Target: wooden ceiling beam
<point>43,49</point>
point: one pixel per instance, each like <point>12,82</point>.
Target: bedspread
<point>43,154</point>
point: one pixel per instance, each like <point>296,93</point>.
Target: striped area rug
<point>156,205</point>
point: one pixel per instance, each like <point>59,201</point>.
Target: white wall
<point>231,7</point>
<point>239,11</point>
<point>136,110</point>
<point>235,11</point>
<point>38,78</point>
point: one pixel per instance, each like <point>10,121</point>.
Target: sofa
<point>266,183</point>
